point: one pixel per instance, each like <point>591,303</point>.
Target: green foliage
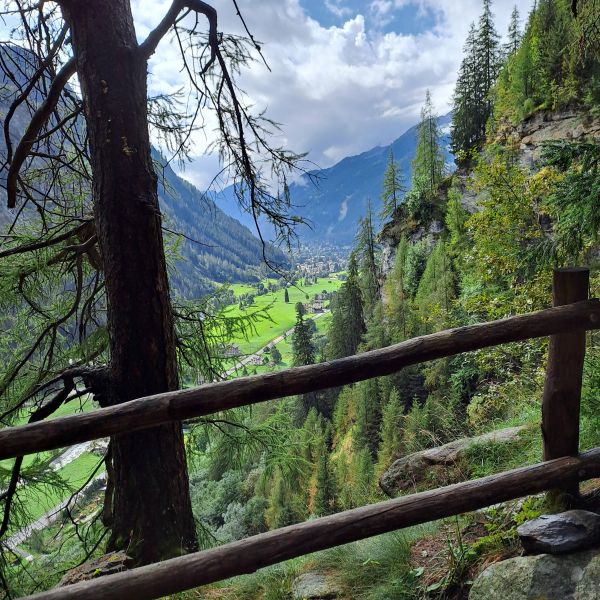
<point>302,344</point>
<point>574,203</point>
<point>428,164</point>
<point>393,188</point>
<point>553,66</point>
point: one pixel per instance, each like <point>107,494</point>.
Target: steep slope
<point>333,205</point>
<point>217,247</point>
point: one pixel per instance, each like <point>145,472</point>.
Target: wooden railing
<point>566,322</point>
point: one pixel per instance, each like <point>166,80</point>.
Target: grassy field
<point>281,315</point>
<point>285,347</point>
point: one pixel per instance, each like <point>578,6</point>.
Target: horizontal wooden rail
<point>246,556</point>
<point>210,398</point>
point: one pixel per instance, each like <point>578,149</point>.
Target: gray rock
<point>541,577</point>
<point>414,468</point>
<point>569,531</point>
<point>314,585</point>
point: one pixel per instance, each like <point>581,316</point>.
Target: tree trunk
<point>151,510</point>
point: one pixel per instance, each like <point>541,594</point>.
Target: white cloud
<point>336,90</point>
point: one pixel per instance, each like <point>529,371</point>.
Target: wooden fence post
<point>564,374</point>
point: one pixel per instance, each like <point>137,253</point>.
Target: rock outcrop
<point>541,577</point>
<point>315,585</point>
<point>409,471</point>
<point>548,126</point>
<point>569,531</point>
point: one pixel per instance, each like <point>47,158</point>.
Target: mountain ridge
<point>334,204</point>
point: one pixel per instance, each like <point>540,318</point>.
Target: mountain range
<point>333,200</point>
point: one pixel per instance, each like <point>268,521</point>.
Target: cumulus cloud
<point>337,90</point>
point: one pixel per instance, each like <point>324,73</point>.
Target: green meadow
<point>275,315</point>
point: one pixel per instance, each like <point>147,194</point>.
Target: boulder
<point>413,469</point>
<point>107,564</point>
<point>315,585</point>
<point>541,577</point>
<point>569,531</point>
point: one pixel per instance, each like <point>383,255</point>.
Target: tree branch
<point>40,117</point>
<point>148,47</point>
<point>44,243</point>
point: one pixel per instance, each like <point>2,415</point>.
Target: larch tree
<point>515,34</point>
<point>429,164</point>
<point>393,188</point>
<point>87,236</point>
<point>368,268</point>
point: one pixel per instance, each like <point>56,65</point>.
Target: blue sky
<point>382,16</point>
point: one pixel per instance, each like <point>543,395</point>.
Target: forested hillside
<point>473,246</point>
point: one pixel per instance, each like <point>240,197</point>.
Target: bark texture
<point>151,512</point>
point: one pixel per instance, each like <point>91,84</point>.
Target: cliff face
<point>547,126</point>
<point>527,138</point>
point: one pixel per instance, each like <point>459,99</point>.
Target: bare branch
<point>40,117</point>
<point>148,47</point>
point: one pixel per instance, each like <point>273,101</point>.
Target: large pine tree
<point>302,345</point>
<point>478,73</point>
<point>347,319</point>
<point>514,33</point>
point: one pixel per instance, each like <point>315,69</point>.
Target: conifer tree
<point>463,132</point>
<point>428,164</point>
<point>286,296</point>
<point>514,33</point>
<point>393,188</point>
<point>325,493</point>
<point>396,306</point>
<point>489,60</point>
<point>369,271</point>
<point>347,322</point>
<point>435,290</point>
<point>391,430</point>
<point>363,477</point>
<point>302,345</point>
<point>276,355</point>
<point>368,417</point>
<point>478,73</point>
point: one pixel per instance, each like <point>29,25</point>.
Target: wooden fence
<point>567,322</point>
